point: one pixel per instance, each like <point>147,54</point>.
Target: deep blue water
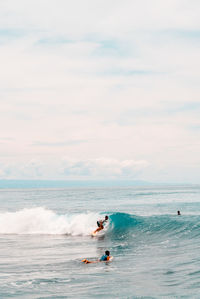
<point>45,233</point>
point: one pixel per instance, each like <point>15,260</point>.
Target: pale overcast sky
<point>94,89</point>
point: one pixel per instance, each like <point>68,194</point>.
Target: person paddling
<point>105,258</point>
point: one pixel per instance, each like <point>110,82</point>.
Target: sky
<point>100,90</point>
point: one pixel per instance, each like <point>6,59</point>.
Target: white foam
<point>43,221</point>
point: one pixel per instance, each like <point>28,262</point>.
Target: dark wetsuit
<point>100,223</point>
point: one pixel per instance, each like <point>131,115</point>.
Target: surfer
<point>105,258</point>
<point>100,224</point>
<point>178,213</point>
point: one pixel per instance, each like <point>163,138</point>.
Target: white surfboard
<point>93,234</point>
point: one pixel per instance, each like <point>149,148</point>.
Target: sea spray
<point>43,221</point>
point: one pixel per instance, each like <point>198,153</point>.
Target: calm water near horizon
<point>44,234</point>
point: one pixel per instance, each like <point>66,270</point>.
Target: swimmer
<point>178,213</point>
<point>100,224</point>
<point>105,258</point>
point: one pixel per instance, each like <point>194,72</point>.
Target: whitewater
<point>45,233</point>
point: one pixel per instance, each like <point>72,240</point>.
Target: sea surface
<point>45,233</point>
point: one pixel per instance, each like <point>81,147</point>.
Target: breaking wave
<point>43,221</point>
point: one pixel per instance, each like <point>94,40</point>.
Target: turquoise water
<point>44,234</point>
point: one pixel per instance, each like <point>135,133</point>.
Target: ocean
<point>45,233</point>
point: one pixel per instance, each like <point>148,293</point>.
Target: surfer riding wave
<point>100,224</point>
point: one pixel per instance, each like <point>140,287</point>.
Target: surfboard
<point>93,234</point>
<point>110,259</point>
<point>88,262</point>
<point>99,234</point>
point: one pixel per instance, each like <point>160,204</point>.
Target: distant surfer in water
<point>178,213</point>
<point>100,224</point>
<point>105,258</point>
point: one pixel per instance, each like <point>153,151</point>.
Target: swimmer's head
<point>178,213</point>
<point>107,252</point>
<point>106,217</point>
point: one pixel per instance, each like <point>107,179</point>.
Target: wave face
<point>43,221</point>
<point>182,226</point>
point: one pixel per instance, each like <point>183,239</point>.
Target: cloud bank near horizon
<point>92,79</point>
<point>67,168</point>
